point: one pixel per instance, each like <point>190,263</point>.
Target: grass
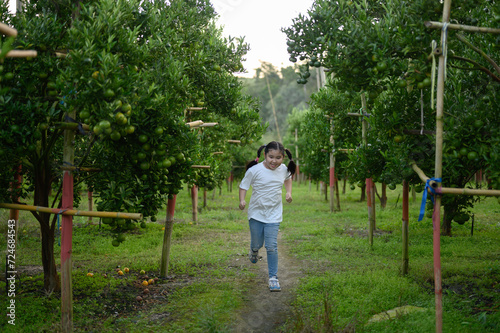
<point>343,281</point>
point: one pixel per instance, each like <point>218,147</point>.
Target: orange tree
<point>381,50</point>
<point>128,70</point>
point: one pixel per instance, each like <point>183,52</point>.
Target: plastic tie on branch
<point>424,196</point>
<point>80,125</point>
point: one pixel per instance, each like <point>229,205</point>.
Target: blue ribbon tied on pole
<point>424,196</point>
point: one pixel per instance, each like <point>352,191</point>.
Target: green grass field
<point>343,282</point>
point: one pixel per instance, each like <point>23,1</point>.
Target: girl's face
<point>274,158</point>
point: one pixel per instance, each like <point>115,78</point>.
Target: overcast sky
<point>260,21</point>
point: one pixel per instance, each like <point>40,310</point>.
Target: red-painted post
<point>167,236</point>
<point>67,234</point>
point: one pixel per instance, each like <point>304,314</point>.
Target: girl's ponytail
<point>254,162</point>
<point>291,165</point>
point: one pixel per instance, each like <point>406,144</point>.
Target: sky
<point>260,21</point>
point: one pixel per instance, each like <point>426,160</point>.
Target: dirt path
<point>266,311</point>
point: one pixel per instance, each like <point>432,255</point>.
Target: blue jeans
<point>267,233</point>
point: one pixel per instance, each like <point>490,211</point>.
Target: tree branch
<point>461,38</point>
<point>477,66</point>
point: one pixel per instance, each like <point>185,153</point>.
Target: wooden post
<point>438,171</point>
<point>369,190</point>
<point>91,201</point>
<point>167,237</point>
<point>405,228</point>
<point>332,170</point>
<point>67,233</point>
<point>194,200</point>
<point>369,185</point>
<point>204,198</point>
<point>14,213</point>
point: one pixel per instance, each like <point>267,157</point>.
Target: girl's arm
<point>288,189</point>
<point>243,193</point>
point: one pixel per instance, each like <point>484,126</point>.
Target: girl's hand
<point>242,204</point>
<point>288,197</point>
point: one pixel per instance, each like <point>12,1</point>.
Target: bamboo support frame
<point>72,168</point>
<point>469,28</point>
<point>194,124</point>
<point>234,141</point>
<point>452,190</point>
<point>200,166</point>
<point>195,108</point>
<point>72,126</point>
<point>208,124</point>
<point>217,153</point>
<point>8,31</point>
<point>345,150</point>
<point>21,54</point>
<point>72,212</point>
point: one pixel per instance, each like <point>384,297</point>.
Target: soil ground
<point>266,311</point>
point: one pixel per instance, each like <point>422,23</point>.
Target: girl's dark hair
<point>275,145</point>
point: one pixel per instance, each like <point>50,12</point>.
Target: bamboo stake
<point>297,171</point>
<point>167,237</point>
<point>469,28</point>
<point>7,31</point>
<point>21,54</point>
<point>369,183</point>
<point>72,212</point>
<point>234,141</point>
<point>438,172</point>
<point>193,108</point>
<point>194,201</point>
<point>91,203</point>
<point>332,170</point>
<point>194,124</point>
<point>405,227</point>
<point>67,233</point>
<point>345,150</point>
<point>217,153</point>
<point>72,126</point>
<point>451,190</point>
<point>200,166</point>
<point>80,169</point>
<point>208,124</point>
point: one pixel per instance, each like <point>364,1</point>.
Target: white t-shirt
<point>266,201</point>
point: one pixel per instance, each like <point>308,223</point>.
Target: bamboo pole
<point>209,124</point>
<point>200,166</point>
<point>462,27</point>
<point>167,237</point>
<point>72,126</point>
<point>297,171</point>
<point>72,168</point>
<point>14,213</point>
<point>405,227</point>
<point>72,212</point>
<point>91,202</point>
<point>332,170</point>
<point>21,54</point>
<point>369,186</point>
<point>194,124</point>
<point>194,201</point>
<point>67,233</point>
<point>451,190</point>
<point>234,141</point>
<point>195,108</point>
<point>438,172</point>
<point>345,150</point>
<point>7,31</point>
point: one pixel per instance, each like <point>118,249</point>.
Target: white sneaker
<point>274,284</point>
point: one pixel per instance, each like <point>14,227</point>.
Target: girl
<point>265,210</point>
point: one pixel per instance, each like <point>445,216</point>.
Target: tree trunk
<point>43,185</point>
<point>344,185</point>
<point>383,197</point>
<point>446,224</point>
<point>363,193</point>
